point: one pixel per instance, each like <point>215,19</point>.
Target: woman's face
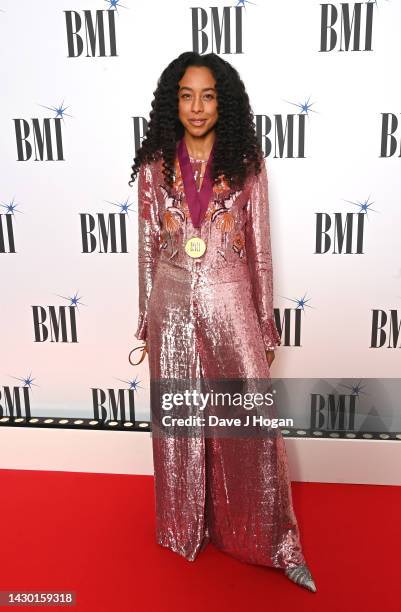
<point>197,100</point>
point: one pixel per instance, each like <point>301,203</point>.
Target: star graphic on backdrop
<point>300,302</point>
<point>60,111</point>
<point>74,300</point>
<point>28,380</point>
<point>305,107</point>
<point>124,206</point>
<point>132,384</point>
<point>374,2</point>
<point>11,207</point>
<point>244,2</point>
<point>364,205</point>
<point>356,389</point>
<point>114,4</point>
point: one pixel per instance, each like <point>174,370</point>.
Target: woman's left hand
<point>270,357</point>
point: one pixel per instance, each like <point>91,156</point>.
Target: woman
<point>205,312</point>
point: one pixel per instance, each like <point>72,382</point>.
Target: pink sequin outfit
<point>213,317</point>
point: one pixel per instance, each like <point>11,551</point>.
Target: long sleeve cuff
<point>270,335</point>
<point>141,331</point>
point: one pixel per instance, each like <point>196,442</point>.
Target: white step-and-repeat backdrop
<point>77,81</point>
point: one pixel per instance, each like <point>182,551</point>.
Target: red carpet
<point>94,534</point>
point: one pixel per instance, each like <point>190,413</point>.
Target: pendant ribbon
<point>198,201</point>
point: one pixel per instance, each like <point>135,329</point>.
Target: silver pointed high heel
<point>302,576</point>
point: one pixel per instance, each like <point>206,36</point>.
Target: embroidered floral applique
<point>177,213</point>
<point>163,239</point>
<point>145,188</point>
<point>224,220</point>
<point>219,210</point>
<point>239,243</point>
<point>172,218</point>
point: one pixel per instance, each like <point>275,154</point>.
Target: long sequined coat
<point>212,317</point>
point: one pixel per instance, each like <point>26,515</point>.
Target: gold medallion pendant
<point>195,246</point>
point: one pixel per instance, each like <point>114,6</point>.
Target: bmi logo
<point>217,29</point>
<point>105,232</point>
<point>390,141</point>
<point>330,411</point>
<point>342,233</point>
<point>15,400</point>
<point>92,33</point>
<point>289,325</point>
<point>385,328</point>
<point>115,404</point>
<point>347,26</point>
<point>7,241</point>
<point>41,139</point>
<point>56,323</point>
<point>285,135</point>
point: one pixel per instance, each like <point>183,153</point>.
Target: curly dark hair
<point>237,152</point>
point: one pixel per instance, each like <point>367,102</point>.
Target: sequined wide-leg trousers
<point>234,491</point>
